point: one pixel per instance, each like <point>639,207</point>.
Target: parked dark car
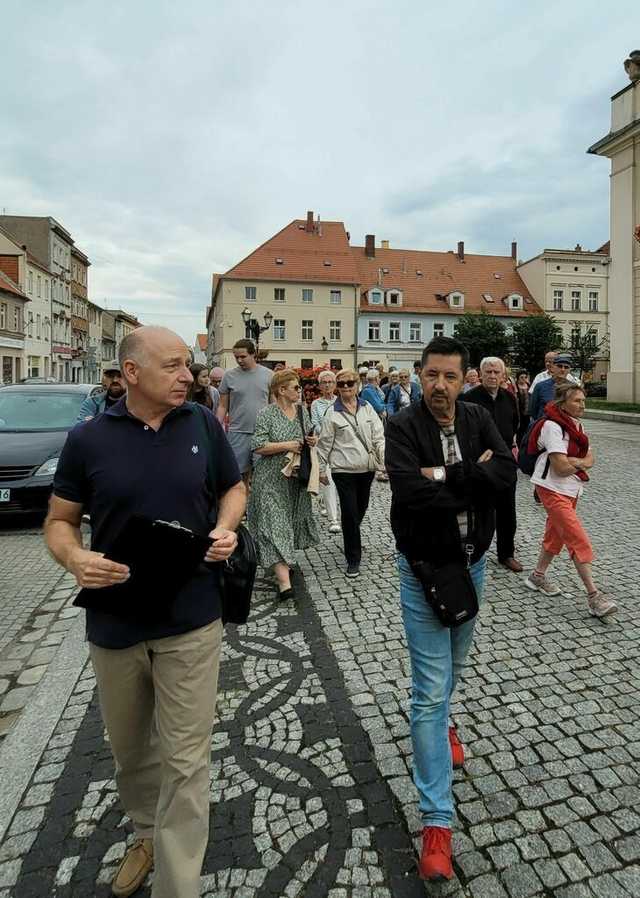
<point>34,422</point>
<point>596,390</point>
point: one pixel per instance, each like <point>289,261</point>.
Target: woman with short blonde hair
<point>279,512</point>
<point>352,445</point>
<point>559,474</point>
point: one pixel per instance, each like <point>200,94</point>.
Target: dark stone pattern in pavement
<point>298,807</point>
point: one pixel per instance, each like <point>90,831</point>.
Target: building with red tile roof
<point>323,294</point>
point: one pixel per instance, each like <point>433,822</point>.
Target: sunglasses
<point>346,384</point>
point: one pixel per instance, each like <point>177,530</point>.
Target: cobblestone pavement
<point>311,789</point>
<point>34,615</point>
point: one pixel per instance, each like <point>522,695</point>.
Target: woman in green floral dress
<point>279,513</point>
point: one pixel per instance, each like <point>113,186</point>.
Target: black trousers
<point>506,522</point>
<point>354,491</point>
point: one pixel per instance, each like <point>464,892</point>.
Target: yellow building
<point>301,287</point>
<point>572,286</point>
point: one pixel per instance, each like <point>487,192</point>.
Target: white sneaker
<point>334,527</point>
<point>539,583</point>
<point>601,605</point>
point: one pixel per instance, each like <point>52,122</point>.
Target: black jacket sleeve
<point>497,474</point>
<point>410,488</point>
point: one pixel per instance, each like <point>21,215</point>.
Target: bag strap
<point>300,414</point>
<point>357,432</point>
<point>211,466</point>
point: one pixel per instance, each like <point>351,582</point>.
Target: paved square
<point>311,790</point>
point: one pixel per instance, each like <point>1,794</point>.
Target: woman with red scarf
<point>561,469</point>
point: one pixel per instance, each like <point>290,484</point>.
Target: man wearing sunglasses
<point>560,372</point>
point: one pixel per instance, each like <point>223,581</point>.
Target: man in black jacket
<point>446,461</point>
<point>503,409</point>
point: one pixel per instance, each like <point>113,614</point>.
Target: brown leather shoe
<point>133,870</point>
<point>512,564</point>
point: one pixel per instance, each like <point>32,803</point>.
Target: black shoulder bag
<point>448,588</point>
<point>238,572</point>
<point>304,470</point>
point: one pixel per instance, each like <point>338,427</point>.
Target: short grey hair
<point>492,360</point>
<point>373,374</point>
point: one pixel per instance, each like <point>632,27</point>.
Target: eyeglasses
<point>346,384</point>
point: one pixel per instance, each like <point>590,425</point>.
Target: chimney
<point>309,225</point>
<point>370,246</point>
<point>461,250</point>
<point>514,250</point>
<point>384,244</point>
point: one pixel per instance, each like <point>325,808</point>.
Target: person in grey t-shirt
<point>243,392</point>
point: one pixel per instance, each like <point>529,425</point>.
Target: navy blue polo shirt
<point>117,466</point>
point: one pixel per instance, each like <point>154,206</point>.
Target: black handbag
<point>449,590</point>
<point>238,573</point>
<point>304,469</point>
<point>238,577</point>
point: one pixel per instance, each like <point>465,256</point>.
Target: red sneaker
<point>457,749</point>
<point>435,858</point>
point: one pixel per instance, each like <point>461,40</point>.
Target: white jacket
<point>340,447</point>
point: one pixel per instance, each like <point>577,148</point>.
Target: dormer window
<point>456,300</point>
<point>515,302</point>
<point>376,298</point>
<point>394,298</point>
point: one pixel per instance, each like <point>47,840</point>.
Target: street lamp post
<point>253,326</point>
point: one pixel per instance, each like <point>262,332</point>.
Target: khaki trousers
<point>158,701</point>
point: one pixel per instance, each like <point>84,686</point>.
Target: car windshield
<point>38,410</point>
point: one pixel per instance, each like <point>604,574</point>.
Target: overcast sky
<point>171,139</point>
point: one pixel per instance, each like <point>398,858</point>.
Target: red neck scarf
<point>578,440</point>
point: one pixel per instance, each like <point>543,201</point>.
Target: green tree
<point>483,334</point>
<point>532,338</point>
<point>585,346</point>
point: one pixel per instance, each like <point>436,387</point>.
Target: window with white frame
<point>30,325</point>
<point>394,331</point>
<point>46,289</point>
<point>250,294</point>
<point>515,302</point>
<point>335,331</point>
<point>278,294</point>
<point>30,283</point>
<point>593,300</point>
<point>39,327</point>
<point>279,329</point>
<point>376,298</point>
<point>558,296</point>
<point>394,298</point>
<point>336,297</point>
<point>38,286</point>
<point>307,329</point>
<point>307,294</point>
<point>374,331</point>
<point>415,332</point>
<point>576,296</point>
<point>592,337</point>
<point>3,316</point>
<point>456,300</point>
<point>438,330</point>
<point>575,337</point>
<point>16,319</point>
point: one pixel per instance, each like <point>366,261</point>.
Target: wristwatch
<point>439,474</point>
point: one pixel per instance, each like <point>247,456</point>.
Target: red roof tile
<point>295,254</point>
<point>441,274</point>
<point>324,255</point>
<point>9,286</point>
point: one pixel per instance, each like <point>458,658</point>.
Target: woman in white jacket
<point>352,444</point>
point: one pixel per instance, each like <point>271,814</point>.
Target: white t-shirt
<point>551,439</point>
<point>544,375</point>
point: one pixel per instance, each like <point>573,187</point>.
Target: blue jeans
<point>438,655</point>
